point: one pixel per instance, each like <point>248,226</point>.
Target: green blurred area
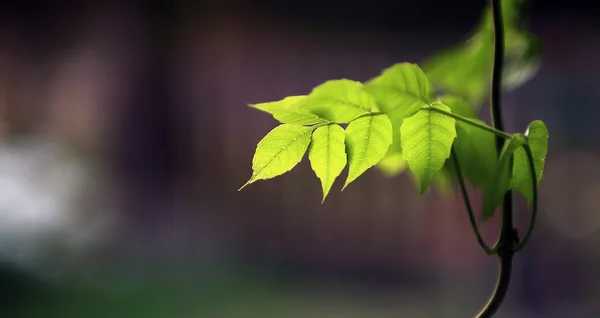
<point>228,294</point>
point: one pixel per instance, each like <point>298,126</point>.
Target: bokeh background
<point>125,134</point>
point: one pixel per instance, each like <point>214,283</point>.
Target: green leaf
<point>339,101</point>
<point>287,112</point>
<point>498,184</point>
<point>367,141</point>
<point>476,153</point>
<point>427,139</point>
<point>327,154</point>
<point>279,151</point>
<point>537,137</point>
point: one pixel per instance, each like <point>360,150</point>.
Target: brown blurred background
<point>125,134</point>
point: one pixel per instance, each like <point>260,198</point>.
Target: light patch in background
<point>569,194</point>
<point>45,217</point>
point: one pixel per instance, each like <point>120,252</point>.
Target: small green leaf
<point>537,137</point>
<point>339,101</point>
<point>327,154</point>
<point>367,141</point>
<point>498,184</point>
<point>427,139</point>
<point>287,112</point>
<point>279,151</point>
<point>476,153</point>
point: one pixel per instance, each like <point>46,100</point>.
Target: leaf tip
<point>247,183</point>
<point>349,180</point>
<point>346,184</point>
<point>325,193</point>
<point>486,216</point>
<point>488,212</point>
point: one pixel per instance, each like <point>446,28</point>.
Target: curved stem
<point>507,237</point>
<point>504,274</point>
<point>465,196</point>
<point>535,198</point>
<point>498,132</point>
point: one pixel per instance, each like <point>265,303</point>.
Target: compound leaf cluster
<point>396,121</point>
<point>313,122</point>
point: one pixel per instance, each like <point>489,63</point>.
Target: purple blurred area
<point>125,134</point>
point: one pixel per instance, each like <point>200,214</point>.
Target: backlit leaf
<point>339,101</point>
<point>476,153</point>
<point>287,111</point>
<point>537,137</point>
<point>427,139</point>
<point>367,141</point>
<point>327,154</point>
<point>279,151</point>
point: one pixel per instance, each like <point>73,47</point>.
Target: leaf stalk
<point>501,135</point>
<point>467,201</point>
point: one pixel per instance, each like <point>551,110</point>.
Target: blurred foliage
<point>464,70</point>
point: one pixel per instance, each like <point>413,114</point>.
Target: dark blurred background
<point>125,133</point>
